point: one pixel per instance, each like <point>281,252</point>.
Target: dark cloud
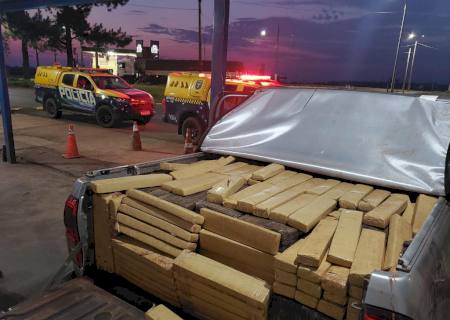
<point>328,15</point>
<point>330,3</point>
<point>136,12</point>
<point>177,34</point>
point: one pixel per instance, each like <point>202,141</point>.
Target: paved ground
<point>32,245</point>
<point>36,135</point>
<point>33,192</point>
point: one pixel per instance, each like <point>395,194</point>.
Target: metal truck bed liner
<point>76,299</point>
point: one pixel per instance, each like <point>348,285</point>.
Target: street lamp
<point>416,43</point>
<point>263,33</point>
<point>406,70</point>
<point>394,70</point>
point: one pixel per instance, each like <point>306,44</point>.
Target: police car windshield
<point>110,82</point>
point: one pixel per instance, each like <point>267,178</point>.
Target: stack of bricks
<point>211,290</point>
<point>333,261</point>
<point>286,271</point>
<point>145,267</point>
<point>158,223</point>
<point>208,174</point>
<point>313,264</point>
<point>239,244</point>
<point>349,231</point>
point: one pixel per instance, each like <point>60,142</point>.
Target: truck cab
<point>93,91</point>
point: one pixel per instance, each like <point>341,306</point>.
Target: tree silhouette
<point>71,22</point>
<point>30,30</point>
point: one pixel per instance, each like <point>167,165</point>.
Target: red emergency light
<point>253,77</point>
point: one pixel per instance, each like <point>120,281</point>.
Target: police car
<point>94,91</point>
<point>187,96</point>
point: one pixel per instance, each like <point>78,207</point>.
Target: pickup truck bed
<point>388,160</point>
<point>76,299</point>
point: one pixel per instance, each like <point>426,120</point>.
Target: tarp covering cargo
<point>387,140</point>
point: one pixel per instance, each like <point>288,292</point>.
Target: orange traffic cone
<point>71,149</point>
<point>188,145</point>
<point>136,143</point>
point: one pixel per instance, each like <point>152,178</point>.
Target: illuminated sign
<point>139,47</point>
<point>154,49</point>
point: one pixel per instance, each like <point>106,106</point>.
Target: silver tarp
<point>386,140</point>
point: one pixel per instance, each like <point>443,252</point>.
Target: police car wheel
<point>106,117</point>
<point>195,125</point>
<point>51,107</point>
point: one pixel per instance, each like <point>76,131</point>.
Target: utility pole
<point>200,60</point>
<point>276,51</point>
<point>219,54</point>
<point>394,71</point>
<point>8,151</point>
<point>406,71</point>
<point>412,64</point>
<point>81,56</point>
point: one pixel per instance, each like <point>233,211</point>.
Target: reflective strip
<point>187,100</point>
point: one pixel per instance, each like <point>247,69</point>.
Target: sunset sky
<point>320,40</point>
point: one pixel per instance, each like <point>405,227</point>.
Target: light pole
<point>406,71</point>
<point>394,71</point>
<point>276,52</point>
<point>263,33</point>
<point>411,36</point>
<point>200,59</point>
<point>416,43</point>
<point>412,64</point>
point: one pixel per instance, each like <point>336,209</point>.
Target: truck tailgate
<point>76,299</point>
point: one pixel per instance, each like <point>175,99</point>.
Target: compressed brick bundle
<point>237,255</point>
<point>334,300</point>
<point>249,203</point>
<point>195,184</point>
<point>105,207</point>
<point>424,206</point>
<point>286,271</point>
<point>158,223</point>
<point>146,268</point>
<point>232,200</point>
<point>131,182</point>
<point>211,290</point>
<point>201,167</point>
<point>241,231</point>
<point>160,312</point>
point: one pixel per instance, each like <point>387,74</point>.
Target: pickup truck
<point>391,141</point>
<point>93,91</point>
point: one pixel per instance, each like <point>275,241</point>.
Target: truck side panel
<point>41,93</point>
<point>422,290</point>
<point>178,109</point>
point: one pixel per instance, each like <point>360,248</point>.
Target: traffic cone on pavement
<point>188,145</point>
<point>71,148</point>
<point>137,145</point>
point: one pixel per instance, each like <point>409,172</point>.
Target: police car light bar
<point>94,70</point>
<point>253,77</point>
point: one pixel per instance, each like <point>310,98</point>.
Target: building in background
<point>159,69</point>
<point>120,61</point>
